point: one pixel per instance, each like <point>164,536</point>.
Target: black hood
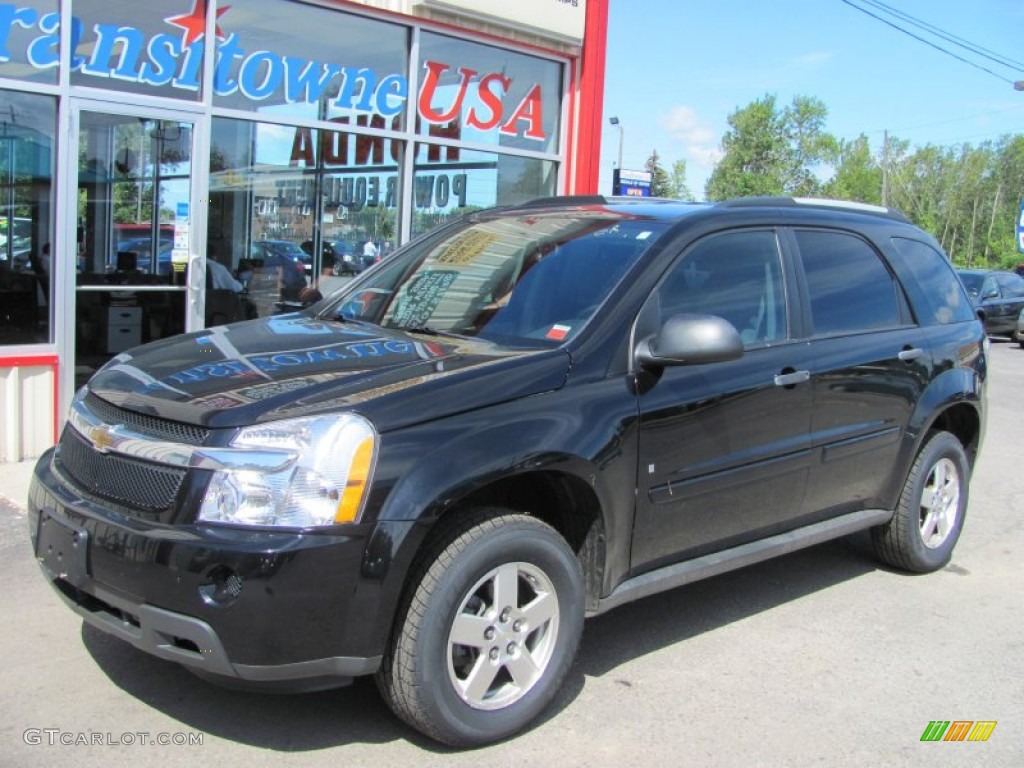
<point>299,365</point>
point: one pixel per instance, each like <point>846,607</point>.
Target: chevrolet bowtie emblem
<point>101,438</point>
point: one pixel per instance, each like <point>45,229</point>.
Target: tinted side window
<point>850,289</point>
<point>735,275</point>
<point>1011,285</point>
<point>936,293</point>
<point>989,288</point>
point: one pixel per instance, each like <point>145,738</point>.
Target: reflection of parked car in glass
<point>345,261</point>
<point>337,256</point>
<point>287,259</point>
<point>998,296</point>
<point>16,243</point>
<point>142,248</point>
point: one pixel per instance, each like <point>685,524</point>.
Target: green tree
<point>858,175</point>
<point>768,151</point>
<point>753,151</point>
<point>677,187</point>
<point>660,185</point>
<point>966,196</point>
<point>809,148</point>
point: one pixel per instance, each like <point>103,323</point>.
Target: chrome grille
<point>129,482</point>
<point>144,424</point>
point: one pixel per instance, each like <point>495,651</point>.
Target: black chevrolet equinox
<point>525,417</point>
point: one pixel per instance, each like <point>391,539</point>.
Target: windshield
<point>531,279</point>
<point>972,281</point>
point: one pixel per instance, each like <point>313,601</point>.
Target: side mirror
<point>691,340</point>
<point>992,294</point>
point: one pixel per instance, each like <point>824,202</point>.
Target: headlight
<point>322,479</point>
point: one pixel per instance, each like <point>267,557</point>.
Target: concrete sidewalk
<point>14,480</point>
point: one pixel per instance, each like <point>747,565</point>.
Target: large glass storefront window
<point>28,124</point>
<point>29,40</point>
<point>289,205</point>
<point>317,193</point>
<point>488,95</point>
<point>154,47</point>
<point>343,67</point>
<point>450,181</point>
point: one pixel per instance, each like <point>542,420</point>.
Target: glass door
<point>135,233</point>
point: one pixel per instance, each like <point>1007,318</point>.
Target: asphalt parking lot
<point>818,658</point>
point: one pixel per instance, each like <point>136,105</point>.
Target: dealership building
<point>285,139</point>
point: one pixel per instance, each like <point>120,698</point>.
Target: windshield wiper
<point>426,330</point>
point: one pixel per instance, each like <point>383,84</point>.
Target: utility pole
<point>885,168</point>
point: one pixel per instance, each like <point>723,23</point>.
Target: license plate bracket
<point>64,549</point>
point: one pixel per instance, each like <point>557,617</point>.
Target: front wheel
<point>488,632</point>
<point>930,515</point>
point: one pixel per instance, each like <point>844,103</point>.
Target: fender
<point>587,432</point>
<point>951,388</point>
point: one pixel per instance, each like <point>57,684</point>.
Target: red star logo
<point>194,22</point>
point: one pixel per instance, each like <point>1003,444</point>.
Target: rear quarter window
<point>850,288</point>
<point>935,292</point>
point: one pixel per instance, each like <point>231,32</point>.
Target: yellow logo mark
<point>958,730</point>
<point>101,438</point>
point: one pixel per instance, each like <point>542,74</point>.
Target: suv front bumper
<point>279,610</point>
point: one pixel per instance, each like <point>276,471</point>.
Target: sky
<point>676,70</point>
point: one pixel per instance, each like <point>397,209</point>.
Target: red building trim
<point>587,165</point>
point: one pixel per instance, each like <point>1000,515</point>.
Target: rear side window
<point>849,287</point>
<point>1011,286</point>
<point>935,291</point>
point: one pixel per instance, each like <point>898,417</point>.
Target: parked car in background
<point>1019,335</point>
<point>998,296</point>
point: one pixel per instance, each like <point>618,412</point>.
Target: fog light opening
<point>223,586</point>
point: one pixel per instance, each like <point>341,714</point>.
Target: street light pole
<point>615,121</point>
<point>617,174</point>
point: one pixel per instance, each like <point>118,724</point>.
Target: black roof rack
<point>816,202</point>
<point>565,200</point>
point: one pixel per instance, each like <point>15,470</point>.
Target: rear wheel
<point>489,631</point>
<point>930,515</point>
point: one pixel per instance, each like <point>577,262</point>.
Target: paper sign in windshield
<point>415,308</point>
<point>466,248</point>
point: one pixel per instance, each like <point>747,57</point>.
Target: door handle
<point>907,355</point>
<point>792,378</point>
<point>195,279</point>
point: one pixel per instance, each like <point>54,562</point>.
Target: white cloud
<point>682,124</point>
<point>698,142</point>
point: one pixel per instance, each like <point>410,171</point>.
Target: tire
<point>465,668</point>
<point>926,525</point>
